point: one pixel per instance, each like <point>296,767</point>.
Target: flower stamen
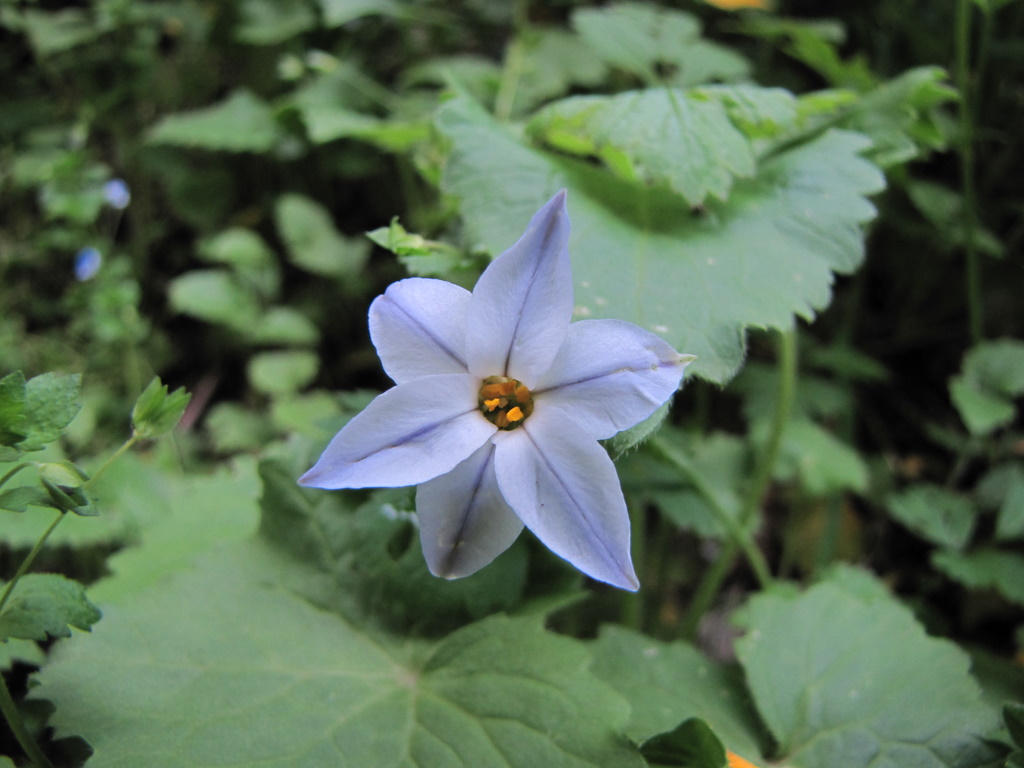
<point>505,402</point>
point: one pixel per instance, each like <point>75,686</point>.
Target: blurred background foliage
<point>186,188</point>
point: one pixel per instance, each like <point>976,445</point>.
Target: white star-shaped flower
<point>498,406</point>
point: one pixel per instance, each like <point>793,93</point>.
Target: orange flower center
<point>505,402</point>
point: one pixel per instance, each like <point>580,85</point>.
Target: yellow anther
<point>505,402</point>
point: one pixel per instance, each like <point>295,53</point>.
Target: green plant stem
<point>715,576</point>
<point>27,562</point>
<point>111,459</point>
<point>510,74</point>
<point>17,725</point>
<point>738,537</point>
<point>632,607</point>
<point>12,473</point>
<point>963,80</point>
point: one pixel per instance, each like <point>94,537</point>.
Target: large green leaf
<point>846,678</point>
<point>224,666</point>
<point>667,683</point>
<point>641,254</point>
<point>939,515</point>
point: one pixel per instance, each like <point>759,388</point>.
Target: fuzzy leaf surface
<point>252,675</point>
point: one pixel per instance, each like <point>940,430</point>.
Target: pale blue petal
<point>409,434</point>
<point>522,303</point>
<point>610,375</point>
<point>563,486</point>
<point>464,521</point>
<point>419,328</point>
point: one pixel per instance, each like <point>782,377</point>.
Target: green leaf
<point>313,242</point>
<point>1010,522</point>
<point>422,257</point>
<point>758,112</point>
<point>46,604</point>
<point>12,408</point>
<point>156,411</point>
<point>57,31</point>
<point>691,744</point>
<point>939,515</point>
<point>240,123</point>
<point>642,255</point>
<point>1013,716</point>
<point>821,461</point>
<point>985,569</point>
<point>21,498</point>
<point>265,22</point>
<point>338,12</point>
<point>669,682</point>
<point>844,680</point>
<point>179,517</point>
<point>51,402</point>
<point>26,651</point>
<point>258,677</point>
<point>216,296</point>
<point>656,136</point>
<point>284,371</point>
<point>991,377</point>
<point>248,255</point>
<point>284,325</point>
<point>553,62</point>
<point>656,43</point>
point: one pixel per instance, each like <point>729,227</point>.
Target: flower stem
<point>963,81</point>
<point>111,459</point>
<point>17,725</point>
<point>29,559</point>
<point>12,473</point>
<point>713,578</point>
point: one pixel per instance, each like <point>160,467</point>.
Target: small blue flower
<point>87,263</point>
<point>117,194</point>
<point>498,406</point>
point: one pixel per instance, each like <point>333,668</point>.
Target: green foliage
<point>840,678</point>
<point>312,241</point>
<point>991,377</point>
<point>691,744</point>
<point>940,516</point>
<point>643,255</point>
<point>35,412</point>
<point>157,411</point>
<point>240,123</point>
<point>46,604</point>
<point>235,654</point>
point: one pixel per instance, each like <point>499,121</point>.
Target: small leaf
<point>266,22</point>
<point>216,296</point>
<point>691,744</point>
<point>313,242</point>
<point>51,402</point>
<point>422,257</point>
<point>991,378</point>
<point>46,604</point>
<point>985,569</point>
<point>941,516</point>
<point>19,499</point>
<point>282,372</point>
<point>240,123</point>
<point>156,411</point>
